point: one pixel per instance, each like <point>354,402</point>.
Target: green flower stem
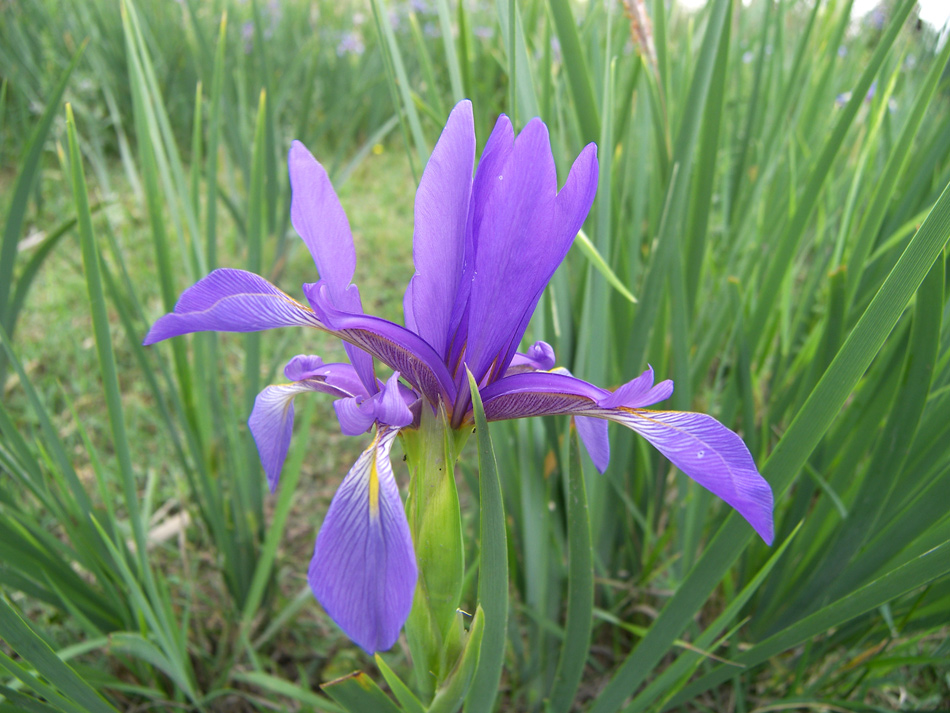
<point>434,629</point>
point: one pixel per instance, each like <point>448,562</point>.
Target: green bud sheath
<point>435,523</point>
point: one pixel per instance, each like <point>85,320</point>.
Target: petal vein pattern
<point>363,570</point>
<point>230,300</point>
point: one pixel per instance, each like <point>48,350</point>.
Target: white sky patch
<point>933,12</point>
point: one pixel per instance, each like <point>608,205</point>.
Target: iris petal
<point>639,392</point>
<point>272,422</point>
<point>441,218</point>
<point>697,444</point>
<point>710,454</point>
<point>593,434</point>
<point>230,300</point>
<point>319,219</point>
<point>363,570</point>
<point>404,351</point>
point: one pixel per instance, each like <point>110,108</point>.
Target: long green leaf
<point>33,649</point>
<point>580,582</point>
<point>801,438</point>
<point>493,567</point>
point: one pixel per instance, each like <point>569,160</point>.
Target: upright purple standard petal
<point>231,301</point>
<point>441,216</point>
<point>363,570</point>
<point>319,219</point>
<point>526,229</point>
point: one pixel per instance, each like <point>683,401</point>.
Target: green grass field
<point>772,192</point>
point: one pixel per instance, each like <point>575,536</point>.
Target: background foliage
<point>772,191</point>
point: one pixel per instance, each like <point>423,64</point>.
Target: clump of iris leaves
<point>772,194</point>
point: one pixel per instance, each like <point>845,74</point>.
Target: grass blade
<point>580,579</point>
<point>492,570</point>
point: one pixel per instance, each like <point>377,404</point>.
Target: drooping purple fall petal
<point>441,218</point>
<point>231,300</point>
<point>363,570</point>
<point>593,434</point>
<point>710,454</point>
<point>697,444</point>
<point>272,420</point>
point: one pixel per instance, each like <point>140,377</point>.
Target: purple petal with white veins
<point>319,219</point>
<point>593,434</point>
<point>639,392</point>
<point>710,454</point>
<point>272,421</point>
<point>404,351</point>
<point>539,393</point>
<point>441,217</point>
<point>231,301</point>
<point>363,570</point>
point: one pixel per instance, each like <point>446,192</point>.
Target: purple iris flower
<point>484,249</point>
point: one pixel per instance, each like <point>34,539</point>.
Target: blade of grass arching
<point>754,104</point>
<point>76,693</point>
<point>53,444</point>
<point>524,99</point>
<point>794,448</point>
<point>358,693</point>
<point>155,615</point>
<point>290,476</point>
<point>451,52</point>
<point>27,176</point>
<point>29,271</point>
<point>407,699</point>
<point>399,82</point>
<point>597,262</point>
<point>270,142</point>
<point>897,161</point>
<point>686,664</point>
<point>156,214</point>
<point>926,568</point>
<point>425,62</point>
<point>492,568</point>
<point>668,248</point>
<point>100,323</point>
<point>164,146</point>
<point>282,687</point>
<point>706,165</point>
<point>214,132</point>
<point>784,249</point>
<point>580,582</point>
<point>578,75</point>
<point>890,453</point>
<point>194,179</point>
